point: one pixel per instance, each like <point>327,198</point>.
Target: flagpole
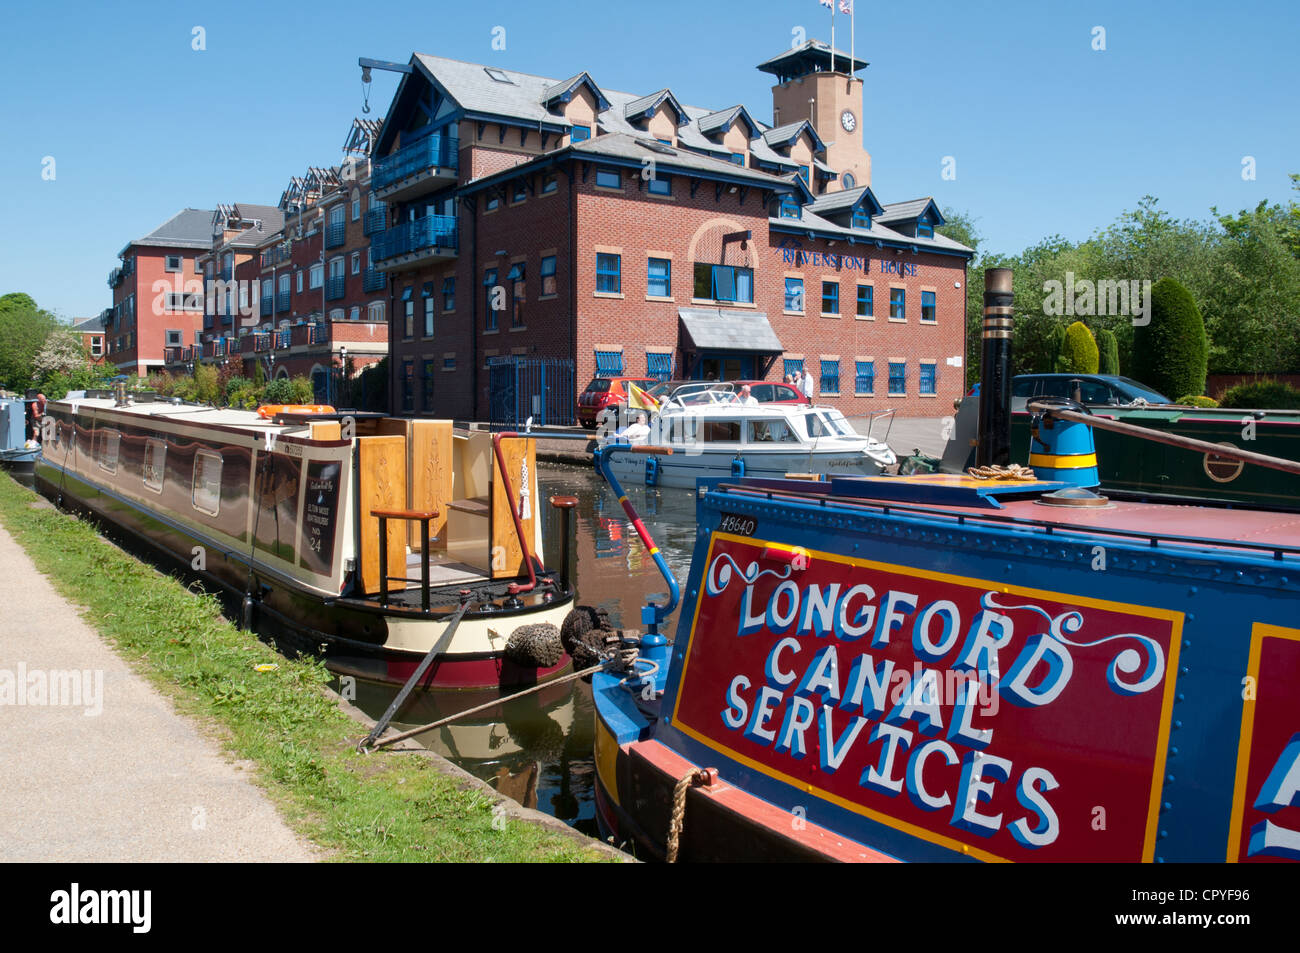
<point>853,36</point>
<point>832,36</point>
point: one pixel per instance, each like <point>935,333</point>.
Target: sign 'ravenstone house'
<point>617,233</point>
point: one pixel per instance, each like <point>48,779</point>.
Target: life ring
<point>267,411</point>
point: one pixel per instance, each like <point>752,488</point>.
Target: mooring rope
<point>678,820</point>
<point>1012,471</point>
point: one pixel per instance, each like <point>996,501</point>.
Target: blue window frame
<point>897,304</point>
<point>737,157</point>
<point>927,379</point>
<point>861,219</point>
<point>830,377</point>
<point>659,275</point>
<point>579,133</point>
<point>830,297</point>
<point>609,178</point>
<point>794,294</point>
<point>803,171</point>
<point>659,365</point>
<point>924,229</point>
<point>660,185</point>
<point>927,307</point>
<point>793,366</point>
<point>609,363</point>
<point>897,378</point>
<point>449,294</point>
<point>609,273</point>
<point>449,363</point>
<point>548,275</point>
<point>864,377</point>
<point>789,207</point>
<point>866,301</point>
<point>724,283</point>
<point>489,313</point>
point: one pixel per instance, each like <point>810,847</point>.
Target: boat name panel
<point>990,719</point>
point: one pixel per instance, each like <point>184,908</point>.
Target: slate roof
<point>906,211</point>
<point>188,228</point>
<point>730,330</point>
<point>88,326</point>
<point>843,200</point>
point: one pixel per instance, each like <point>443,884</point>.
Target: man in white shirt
<point>745,398</point>
<point>636,433</point>
<point>807,385</point>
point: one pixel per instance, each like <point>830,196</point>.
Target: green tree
<point>1079,354</point>
<point>1108,352</point>
<point>206,390</point>
<point>23,330</point>
<point>1169,353</point>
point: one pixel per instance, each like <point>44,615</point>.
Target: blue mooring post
<point>738,467</point>
<point>652,471</point>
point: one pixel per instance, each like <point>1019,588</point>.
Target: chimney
<point>994,442</point>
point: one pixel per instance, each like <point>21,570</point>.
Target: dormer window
<point>861,219</point>
<point>803,171</point>
<point>580,133</point>
<point>924,229</point>
<point>789,207</point>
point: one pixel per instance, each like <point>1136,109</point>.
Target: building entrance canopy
<point>717,329</point>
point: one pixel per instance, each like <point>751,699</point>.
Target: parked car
<point>1091,388</point>
<point>603,392</point>
<point>765,392</point>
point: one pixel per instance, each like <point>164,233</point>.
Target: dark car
<point>603,392</point>
<point>1086,388</point>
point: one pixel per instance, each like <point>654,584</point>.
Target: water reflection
<point>538,749</point>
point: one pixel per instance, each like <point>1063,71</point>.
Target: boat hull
<point>684,468</point>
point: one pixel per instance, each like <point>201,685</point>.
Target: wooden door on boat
<point>381,481</point>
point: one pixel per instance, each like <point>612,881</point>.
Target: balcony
<point>283,339</point>
<point>375,219</point>
<point>422,167</point>
<point>431,237</point>
<point>262,341</point>
<point>374,280</point>
<point>267,302</point>
<point>336,234</point>
<point>115,277</point>
<point>106,317</point>
<point>282,301</point>
<point>334,288</point>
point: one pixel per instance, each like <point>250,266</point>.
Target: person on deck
<point>638,432</point>
<point>745,398</point>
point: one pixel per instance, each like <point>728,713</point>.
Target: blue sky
<point>1049,135</point>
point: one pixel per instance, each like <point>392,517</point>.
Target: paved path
<point>909,434</point>
<point>136,782</point>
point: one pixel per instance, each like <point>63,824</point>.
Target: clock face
<point>848,120</point>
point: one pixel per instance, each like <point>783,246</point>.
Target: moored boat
<point>712,434</point>
<point>17,452</point>
<point>944,667</point>
<point>376,541</point>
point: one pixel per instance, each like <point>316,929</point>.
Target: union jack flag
<point>846,6</point>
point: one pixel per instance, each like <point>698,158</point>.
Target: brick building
<point>91,332</point>
<point>529,219</point>
<point>151,308</point>
<point>290,286</point>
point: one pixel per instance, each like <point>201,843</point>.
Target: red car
<point>771,392</point>
<point>604,392</point>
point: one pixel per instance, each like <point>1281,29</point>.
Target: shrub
<point>206,390</point>
<point>1079,355</point>
<point>1169,353</point>
<point>304,392</point>
<point>278,391</point>
<point>1107,352</point>
<point>1194,400</point>
<point>1055,348</point>
<point>1263,394</point>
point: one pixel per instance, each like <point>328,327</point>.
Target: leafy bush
<point>1079,354</point>
<point>304,392</point>
<point>1170,352</point>
<point>278,391</point>
<point>206,388</point>
<point>1263,394</point>
<point>1194,400</point>
<point>1055,348</point>
<point>1107,352</point>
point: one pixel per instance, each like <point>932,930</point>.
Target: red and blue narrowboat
<point>965,668</point>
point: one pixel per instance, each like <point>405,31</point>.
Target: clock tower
<point>819,84</point>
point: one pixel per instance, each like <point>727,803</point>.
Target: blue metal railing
<point>335,234</point>
<point>267,301</point>
<point>374,280</point>
<point>334,288</point>
<point>436,151</point>
<point>540,388</point>
<point>282,301</point>
<point>374,220</point>
<point>432,231</point>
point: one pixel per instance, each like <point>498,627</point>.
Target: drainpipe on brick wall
<point>573,279</point>
<point>473,311</point>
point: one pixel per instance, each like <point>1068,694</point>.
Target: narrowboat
<point>711,434</point>
<point>949,668</point>
<point>384,544</point>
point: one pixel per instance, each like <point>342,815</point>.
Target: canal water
<point>538,749</point>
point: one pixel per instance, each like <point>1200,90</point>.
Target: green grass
<point>376,807</point>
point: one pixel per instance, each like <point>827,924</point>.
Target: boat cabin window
<point>155,460</point>
<point>775,430</point>
<point>682,430</point>
<point>721,431</point>
<point>205,491</point>
<point>816,426</point>
<point>839,424</point>
<point>106,452</point>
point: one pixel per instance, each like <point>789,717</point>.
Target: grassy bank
<point>379,807</point>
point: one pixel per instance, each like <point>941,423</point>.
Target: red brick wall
<point>153,320</point>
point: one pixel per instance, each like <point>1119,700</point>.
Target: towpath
<point>111,773</point>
